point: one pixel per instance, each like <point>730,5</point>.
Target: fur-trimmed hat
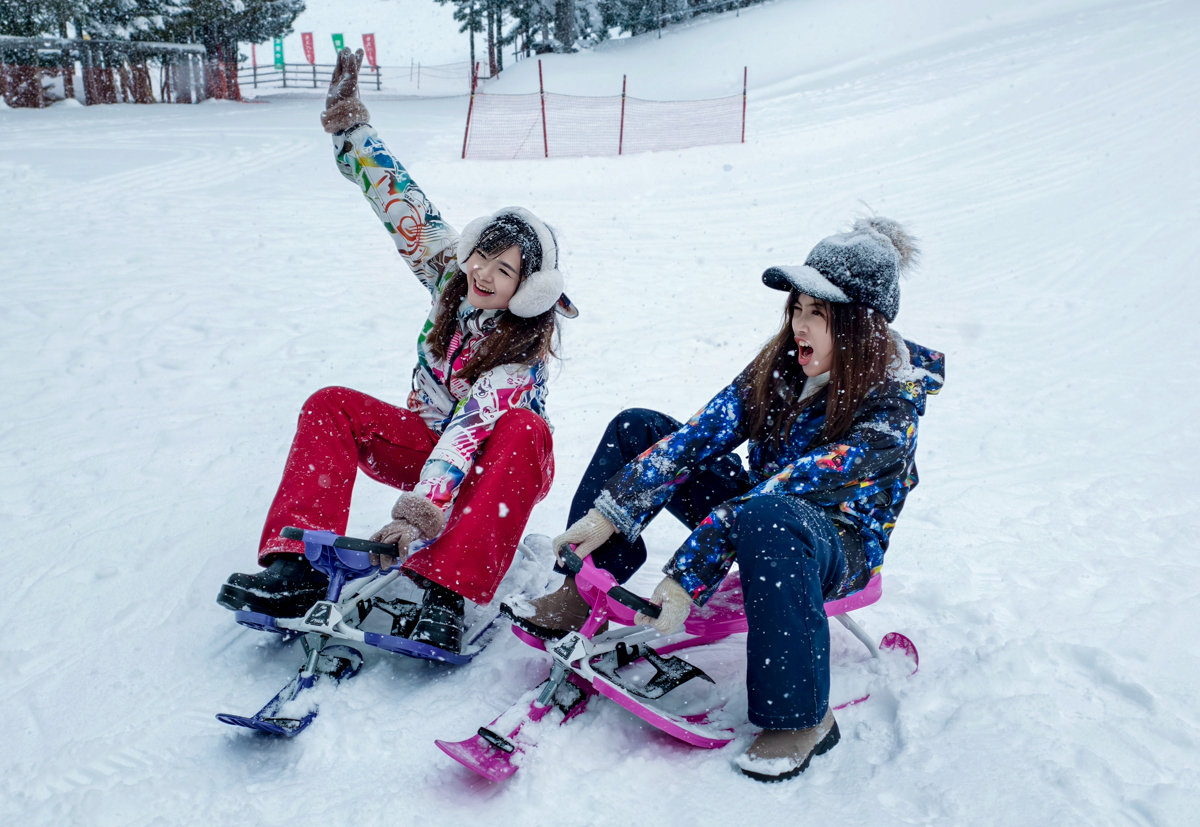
<point>542,289</point>
<point>862,266</point>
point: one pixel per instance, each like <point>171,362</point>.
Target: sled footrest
<point>403,613</point>
<point>669,673</point>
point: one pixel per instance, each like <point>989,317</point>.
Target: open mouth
<point>480,289</point>
<point>806,351</point>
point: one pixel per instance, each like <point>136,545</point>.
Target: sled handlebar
<point>351,543</point>
<point>572,563</point>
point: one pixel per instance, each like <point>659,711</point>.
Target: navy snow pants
<point>789,552</point>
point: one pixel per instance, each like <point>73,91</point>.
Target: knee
<point>520,427</point>
<point>636,429</point>
<point>325,400</point>
<point>776,526</point>
<point>521,421</point>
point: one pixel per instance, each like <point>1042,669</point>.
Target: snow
<point>178,279</point>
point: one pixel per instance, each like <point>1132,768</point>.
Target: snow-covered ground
<point>177,279</point>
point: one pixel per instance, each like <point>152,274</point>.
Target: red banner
<point>306,39</point>
<point>369,47</point>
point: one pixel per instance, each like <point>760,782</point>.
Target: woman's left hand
<point>401,534</point>
<point>343,108</point>
<point>676,605</point>
<point>413,518</point>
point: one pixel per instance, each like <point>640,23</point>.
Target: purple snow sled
<point>353,594</point>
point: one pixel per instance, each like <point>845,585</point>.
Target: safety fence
<point>440,80</point>
<point>550,125</point>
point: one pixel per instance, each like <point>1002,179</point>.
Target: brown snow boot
<point>551,616</point>
<point>778,754</point>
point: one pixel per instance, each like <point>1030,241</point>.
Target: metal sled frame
<point>353,586</point>
<point>719,618</point>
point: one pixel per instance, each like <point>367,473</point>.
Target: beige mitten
<point>587,534</point>
<point>676,605</point>
<point>343,108</point>
<point>413,518</point>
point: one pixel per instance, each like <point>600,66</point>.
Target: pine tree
<point>470,14</point>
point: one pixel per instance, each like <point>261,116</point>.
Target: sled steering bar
<point>351,543</point>
<point>572,563</point>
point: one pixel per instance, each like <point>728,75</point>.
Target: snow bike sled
<point>353,594</point>
<point>586,663</point>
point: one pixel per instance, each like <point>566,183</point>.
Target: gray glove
<point>587,534</point>
<point>343,109</point>
<point>676,605</point>
<point>413,518</point>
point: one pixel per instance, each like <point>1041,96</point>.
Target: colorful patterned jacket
<point>462,413</point>
<point>861,480</point>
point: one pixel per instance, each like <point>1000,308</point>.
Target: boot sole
<point>823,746</point>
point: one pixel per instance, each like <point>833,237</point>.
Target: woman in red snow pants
<point>342,430</point>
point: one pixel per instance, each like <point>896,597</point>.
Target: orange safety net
<point>503,127</point>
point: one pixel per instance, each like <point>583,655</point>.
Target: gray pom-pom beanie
<point>862,266</point>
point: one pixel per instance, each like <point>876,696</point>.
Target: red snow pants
<point>341,430</point>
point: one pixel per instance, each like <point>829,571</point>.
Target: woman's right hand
<point>587,534</point>
<point>343,109</point>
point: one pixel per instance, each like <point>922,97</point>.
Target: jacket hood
<point>916,373</point>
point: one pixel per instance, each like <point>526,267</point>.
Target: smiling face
<point>493,278</point>
<point>814,339</point>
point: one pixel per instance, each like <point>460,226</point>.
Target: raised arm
<point>427,243</point>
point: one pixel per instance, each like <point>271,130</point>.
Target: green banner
<point>279,53</point>
<point>338,43</point>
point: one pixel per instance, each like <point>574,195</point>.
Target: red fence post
<point>745,78</point>
<point>542,92</point>
<point>621,144</point>
<point>470,106</point>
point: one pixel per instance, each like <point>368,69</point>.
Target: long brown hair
<point>516,340</point>
<point>862,350</point>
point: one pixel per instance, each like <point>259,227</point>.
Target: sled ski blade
<point>896,642</point>
<point>697,730</point>
<point>288,727</point>
<point>415,649</point>
<point>494,751</point>
<point>893,642</point>
<point>264,623</point>
<point>482,756</point>
<point>279,716</point>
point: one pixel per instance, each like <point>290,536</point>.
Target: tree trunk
<point>68,64</point>
<point>491,18</point>
<point>126,80</point>
<point>230,56</point>
<point>499,39</point>
<point>471,29</point>
<point>564,24</point>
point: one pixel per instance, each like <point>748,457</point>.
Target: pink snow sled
<point>586,663</point>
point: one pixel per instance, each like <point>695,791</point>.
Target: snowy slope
<point>178,279</point>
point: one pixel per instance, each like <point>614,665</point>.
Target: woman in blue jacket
<point>830,409</point>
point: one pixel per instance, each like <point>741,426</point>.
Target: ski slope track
<point>177,280</point>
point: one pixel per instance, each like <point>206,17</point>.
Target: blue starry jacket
<point>861,480</point>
